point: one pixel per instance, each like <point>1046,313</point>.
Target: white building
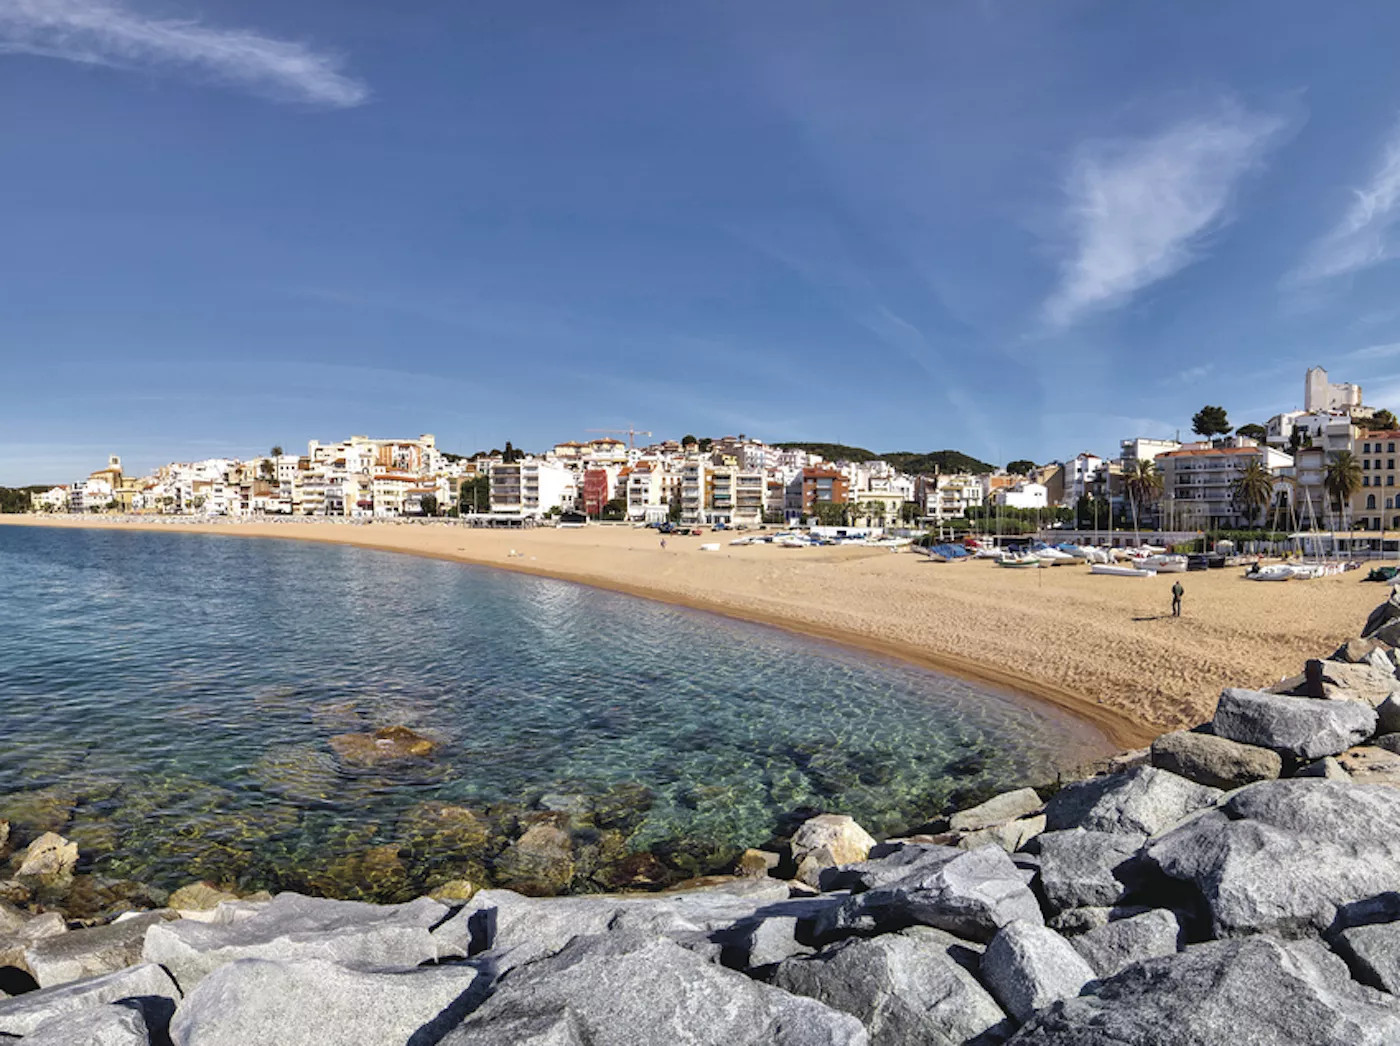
<point>1131,451</point>
<point>950,496</point>
<point>1081,474</point>
<point>1321,395</point>
<point>1022,495</point>
<point>531,488</point>
<point>1198,481</point>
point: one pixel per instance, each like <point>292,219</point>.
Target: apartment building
<point>1376,505</point>
<point>648,499</point>
<point>823,483</point>
<point>695,488</point>
<point>531,488</point>
<point>1198,481</point>
<point>950,496</point>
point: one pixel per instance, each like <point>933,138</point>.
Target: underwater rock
<point>47,863</point>
<point>389,744</point>
<point>444,828</point>
<point>539,863</point>
<point>199,897</point>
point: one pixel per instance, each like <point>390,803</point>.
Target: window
<point>1390,448</point>
<point>1370,501</point>
<point>1366,463</point>
<point>1390,481</point>
<point>1365,481</point>
<point>1365,448</point>
<point>1390,463</point>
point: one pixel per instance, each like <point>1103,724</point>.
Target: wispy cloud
<point>1375,352</point>
<point>1139,209</point>
<point>97,32</point>
<point>1194,374</point>
<point>1365,235</point>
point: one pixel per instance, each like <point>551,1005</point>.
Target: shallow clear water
<point>168,702</point>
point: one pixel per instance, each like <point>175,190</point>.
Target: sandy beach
<point>1104,648</point>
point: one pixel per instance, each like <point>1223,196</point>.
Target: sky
<point>1022,230</point>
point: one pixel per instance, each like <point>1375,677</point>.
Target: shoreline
<point>1103,651</point>
<point>1118,730</point>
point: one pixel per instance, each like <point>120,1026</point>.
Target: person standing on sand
<point>1177,593</point>
<point>663,544</point>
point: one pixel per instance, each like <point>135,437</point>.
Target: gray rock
<point>1143,801</point>
<point>768,941</point>
<point>1009,806</point>
<point>1216,762</point>
<point>1010,836</point>
<point>1089,869</point>
<point>1255,990</point>
<point>623,990</point>
<point>1358,650</point>
<point>1373,953</point>
<point>1116,945</point>
<point>1028,967</point>
<point>1390,742</point>
<point>87,953</point>
<point>111,1025</point>
<point>1074,921</point>
<point>839,834</point>
<point>24,1013</point>
<point>297,927</point>
<point>312,1002</point>
<point>1326,768</point>
<point>887,869</point>
<point>1326,678</point>
<point>1284,856</point>
<point>1296,726</point>
<point>1385,614</point>
<point>908,988</point>
<point>1388,716</point>
<point>971,894</point>
<point>14,947</point>
<point>520,929</point>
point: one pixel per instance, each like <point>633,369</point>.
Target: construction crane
<point>630,433</point>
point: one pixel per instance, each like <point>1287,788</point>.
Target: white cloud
<point>1363,237</point>
<point>102,33</point>
<point>1376,352</point>
<point>1138,209</point>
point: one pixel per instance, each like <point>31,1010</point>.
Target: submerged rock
<point>47,863</point>
<point>539,863</point>
<point>388,744</point>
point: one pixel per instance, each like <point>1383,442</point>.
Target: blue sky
<point>1018,229</point>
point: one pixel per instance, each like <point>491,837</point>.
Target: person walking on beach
<point>1177,593</point>
<point>663,544</point>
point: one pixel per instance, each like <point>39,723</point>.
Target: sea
<point>171,702</point>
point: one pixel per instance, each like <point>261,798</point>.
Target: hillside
<point>904,460</point>
<point>16,499</point>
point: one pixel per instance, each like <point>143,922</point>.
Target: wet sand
<point>1103,648</point>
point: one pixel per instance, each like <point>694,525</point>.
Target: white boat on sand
<point>1273,572</point>
<point>1114,570</point>
<point>1164,564</point>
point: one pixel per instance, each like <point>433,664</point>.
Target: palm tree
<point>1144,483</point>
<point>1342,481</point>
<point>1253,488</point>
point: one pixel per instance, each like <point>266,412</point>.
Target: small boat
<point>710,546</point>
<point>1114,570</point>
<point>1164,564</point>
<point>988,553</point>
<point>1383,573</point>
<point>1022,561</point>
<point>1273,572</point>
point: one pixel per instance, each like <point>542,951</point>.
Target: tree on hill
<point>1210,421</point>
<point>1255,432</point>
<point>1020,467</point>
<point>943,461</point>
<point>1381,421</point>
<point>830,451</point>
<point>689,440</point>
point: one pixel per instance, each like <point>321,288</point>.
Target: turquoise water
<point>168,701</point>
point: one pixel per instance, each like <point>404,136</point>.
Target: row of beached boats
<point>1296,571</point>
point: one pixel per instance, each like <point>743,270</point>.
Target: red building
<point>596,491</point>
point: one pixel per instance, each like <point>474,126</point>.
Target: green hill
<point>904,460</point>
<point>16,499</point>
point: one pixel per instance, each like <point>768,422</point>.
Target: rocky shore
<point>1234,883</point>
